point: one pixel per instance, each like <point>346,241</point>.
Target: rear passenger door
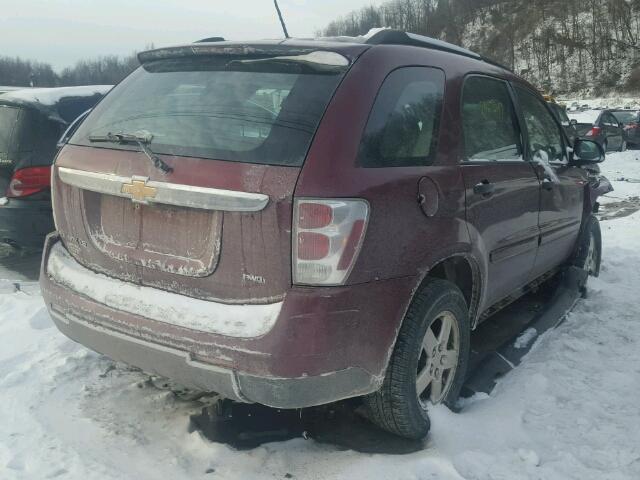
<point>502,189</point>
<point>562,191</point>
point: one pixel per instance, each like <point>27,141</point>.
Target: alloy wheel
<point>438,359</point>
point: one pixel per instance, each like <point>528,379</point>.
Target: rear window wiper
<point>142,139</point>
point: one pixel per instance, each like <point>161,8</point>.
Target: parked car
<point>568,125</point>
<point>224,215</point>
<point>4,89</point>
<point>630,121</point>
<point>604,129</point>
<point>31,122</point>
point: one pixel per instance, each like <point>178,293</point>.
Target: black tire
<point>582,257</point>
<point>623,146</point>
<point>396,406</point>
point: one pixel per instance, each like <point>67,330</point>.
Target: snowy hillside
<point>570,411</point>
<point>563,46</point>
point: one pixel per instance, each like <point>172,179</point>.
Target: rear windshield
<point>626,118</point>
<point>241,109</point>
<point>8,121</point>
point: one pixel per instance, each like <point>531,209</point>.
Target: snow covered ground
<point>570,411</point>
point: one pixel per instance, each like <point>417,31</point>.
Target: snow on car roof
<point>58,104</point>
<point>51,96</point>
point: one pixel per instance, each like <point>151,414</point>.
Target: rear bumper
<point>326,344</point>
<point>25,222</point>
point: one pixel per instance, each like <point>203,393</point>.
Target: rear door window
<point>489,121</point>
<point>403,127</point>
<point>235,108</point>
<point>545,139</point>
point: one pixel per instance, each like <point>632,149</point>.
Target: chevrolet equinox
<point>297,222</point>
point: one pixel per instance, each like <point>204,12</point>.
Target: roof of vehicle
<point>621,110</point>
<point>50,100</point>
<point>588,116</point>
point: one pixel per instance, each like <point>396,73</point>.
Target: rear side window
<point>8,121</point>
<point>610,120</point>
<point>626,117</point>
<point>402,130</point>
<point>239,108</point>
<point>545,139</point>
<point>489,121</point>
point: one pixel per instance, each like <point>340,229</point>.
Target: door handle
<point>484,188</point>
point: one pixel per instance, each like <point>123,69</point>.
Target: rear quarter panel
<point>401,241</point>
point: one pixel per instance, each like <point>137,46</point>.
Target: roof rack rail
<point>398,37</point>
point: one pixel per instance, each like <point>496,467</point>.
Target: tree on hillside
<point>561,45</point>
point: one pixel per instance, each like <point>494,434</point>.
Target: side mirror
<point>587,151</point>
<point>573,122</point>
<point>71,129</point>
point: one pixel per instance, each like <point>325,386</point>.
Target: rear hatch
<point>233,127</point>
<point>28,139</point>
<point>583,128</point>
<point>9,118</point>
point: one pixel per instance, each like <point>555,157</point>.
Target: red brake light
<point>314,215</point>
<point>327,235</point>
<point>594,132</point>
<point>28,181</point>
<point>313,246</point>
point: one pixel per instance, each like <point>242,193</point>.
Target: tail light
<point>327,236</point>
<point>28,181</point>
<point>594,132</point>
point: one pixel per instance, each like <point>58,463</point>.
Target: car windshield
<point>219,107</point>
<point>8,121</point>
<point>626,117</point>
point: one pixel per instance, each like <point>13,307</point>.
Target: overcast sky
<point>63,31</point>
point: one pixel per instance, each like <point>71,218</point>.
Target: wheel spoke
<point>430,341</point>
<point>445,331</point>
<point>436,390</point>
<point>449,359</point>
<point>423,381</point>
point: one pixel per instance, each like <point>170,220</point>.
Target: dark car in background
<point>630,121</point>
<point>31,123</point>
<point>605,129</point>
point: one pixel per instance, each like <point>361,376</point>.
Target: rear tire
<point>425,358</point>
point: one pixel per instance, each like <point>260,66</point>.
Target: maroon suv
<point>293,223</point>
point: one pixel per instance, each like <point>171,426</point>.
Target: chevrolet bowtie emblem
<point>139,191</point>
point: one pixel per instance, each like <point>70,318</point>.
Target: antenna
<point>284,27</point>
